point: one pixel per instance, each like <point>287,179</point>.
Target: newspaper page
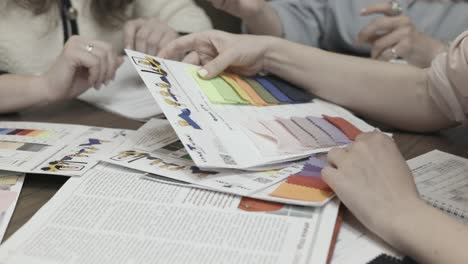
<point>223,135</point>
<point>59,149</point>
<point>123,94</point>
<point>155,149</point>
<point>110,216</point>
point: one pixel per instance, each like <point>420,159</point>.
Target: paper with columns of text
<point>113,216</point>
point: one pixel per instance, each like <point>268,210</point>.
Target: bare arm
<point>394,94</point>
<point>18,92</point>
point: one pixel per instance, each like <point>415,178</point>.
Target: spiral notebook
<point>442,180</point>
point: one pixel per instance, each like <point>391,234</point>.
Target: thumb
<point>217,65</point>
<point>331,176</point>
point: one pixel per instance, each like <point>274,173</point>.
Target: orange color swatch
<point>346,127</point>
<point>307,181</point>
<point>297,192</point>
<point>248,89</point>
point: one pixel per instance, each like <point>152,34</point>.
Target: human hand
<point>148,35</point>
<point>373,180</point>
<point>396,36</point>
<point>218,51</point>
<point>82,64</point>
<point>244,9</point>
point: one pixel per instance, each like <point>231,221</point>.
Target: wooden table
<point>38,189</point>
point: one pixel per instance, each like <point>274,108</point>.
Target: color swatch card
<point>243,123</point>
<point>47,148</point>
<point>155,149</point>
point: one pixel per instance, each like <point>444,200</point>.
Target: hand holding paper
<point>218,51</point>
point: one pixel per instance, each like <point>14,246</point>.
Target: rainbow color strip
<point>25,132</point>
<point>259,91</point>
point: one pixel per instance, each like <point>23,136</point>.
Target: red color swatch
<point>346,127</point>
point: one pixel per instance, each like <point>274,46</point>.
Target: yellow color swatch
<point>297,192</point>
<point>8,180</point>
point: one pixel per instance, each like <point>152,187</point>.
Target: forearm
<point>265,22</point>
<point>18,92</point>
<point>393,94</point>
<point>429,236</point>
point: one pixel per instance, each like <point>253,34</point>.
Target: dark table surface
<point>38,189</point>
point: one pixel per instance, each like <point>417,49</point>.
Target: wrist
<point>42,89</point>
<point>398,230</point>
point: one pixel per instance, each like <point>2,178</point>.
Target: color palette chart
<point>26,132</point>
<point>306,132</point>
<point>29,147</point>
<point>306,185</point>
<point>257,91</point>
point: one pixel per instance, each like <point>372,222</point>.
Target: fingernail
<point>203,73</point>
<point>363,10</point>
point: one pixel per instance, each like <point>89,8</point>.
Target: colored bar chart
<point>306,132</point>
<point>258,91</point>
<point>26,132</point>
<point>306,185</point>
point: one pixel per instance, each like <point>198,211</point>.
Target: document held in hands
<point>231,122</point>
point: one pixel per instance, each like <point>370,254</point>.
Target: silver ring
<point>89,48</point>
<point>396,8</point>
<point>394,53</point>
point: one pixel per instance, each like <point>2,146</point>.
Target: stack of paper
<point>243,123</point>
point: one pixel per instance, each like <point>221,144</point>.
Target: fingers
<point>389,41</point>
<point>382,26</point>
<point>141,39</point>
<point>130,30</point>
<point>192,58</point>
<point>181,45</point>
<point>217,65</point>
<point>331,176</point>
<point>378,8</point>
<point>336,155</point>
<point>402,49</point>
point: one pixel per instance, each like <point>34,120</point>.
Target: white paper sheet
<point>442,180</point>
<point>357,245</point>
<point>155,149</point>
<point>6,216</point>
<point>109,216</point>
<point>216,136</point>
<point>127,95</point>
<point>58,149</point>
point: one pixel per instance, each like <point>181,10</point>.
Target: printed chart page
<point>11,184</point>
<point>113,216</point>
<point>442,180</point>
<point>155,149</point>
<point>127,95</point>
<point>59,149</point>
<point>220,132</point>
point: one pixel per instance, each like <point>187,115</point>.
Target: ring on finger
<point>396,8</point>
<point>394,53</point>
<point>89,47</point>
